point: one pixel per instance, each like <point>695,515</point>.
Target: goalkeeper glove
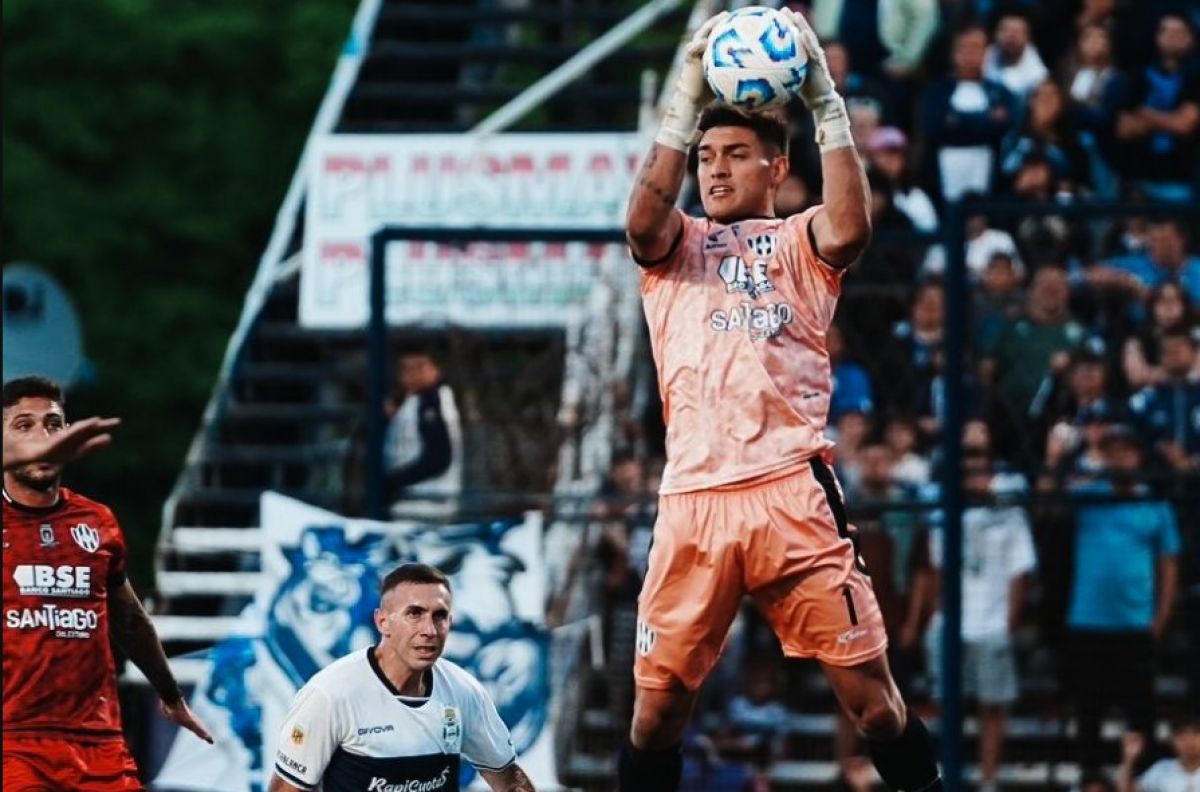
<point>680,123</point>
<point>818,92</point>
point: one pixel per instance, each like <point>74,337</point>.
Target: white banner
<point>359,183</point>
<point>320,585</point>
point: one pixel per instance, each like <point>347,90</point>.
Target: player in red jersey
<point>738,304</point>
<point>64,593</point>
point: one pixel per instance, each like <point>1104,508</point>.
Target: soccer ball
<point>754,59</point>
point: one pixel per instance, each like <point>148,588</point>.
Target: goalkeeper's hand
<point>681,120</point>
<point>818,92</point>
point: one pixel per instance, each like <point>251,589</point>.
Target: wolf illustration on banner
<point>320,586</point>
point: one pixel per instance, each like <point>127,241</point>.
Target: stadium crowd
<point>1082,440</point>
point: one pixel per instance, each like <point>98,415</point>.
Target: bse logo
<point>41,580</point>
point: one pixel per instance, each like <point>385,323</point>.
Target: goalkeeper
<point>738,304</point>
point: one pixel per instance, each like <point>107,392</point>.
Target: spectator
<point>1166,308</point>
<point>965,117</point>
<point>1049,131</point>
<point>929,407</point>
<point>423,453</point>
<point>851,383</point>
<point>1081,388</point>
<point>906,27</point>
<point>1045,238</point>
<point>887,151</point>
<point>1125,571</point>
<point>1025,352</point>
<point>907,366</point>
<point>1098,91</point>
<point>1164,258</point>
<point>1161,125</point>
<point>910,468</point>
<point>1074,450</point>
<point>998,557</point>
<point>1178,774</point>
<point>983,242</point>
<point>893,257</point>
<point>1168,413</point>
<point>1012,60</point>
<point>756,715</point>
<point>998,299</point>
<point>851,435</point>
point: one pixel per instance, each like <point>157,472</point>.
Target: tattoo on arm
<point>667,196</point>
<point>517,781</point>
<point>510,779</point>
<point>134,632</point>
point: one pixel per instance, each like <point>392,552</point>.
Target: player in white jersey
<point>395,716</point>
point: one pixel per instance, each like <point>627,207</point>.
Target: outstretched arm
<point>77,440</point>
<point>843,229</point>
<point>652,224</point>
<point>134,632</point>
<point>510,779</point>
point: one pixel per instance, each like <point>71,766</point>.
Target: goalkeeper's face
<point>414,620</point>
<point>738,174</point>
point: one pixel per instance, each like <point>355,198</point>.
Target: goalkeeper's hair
<point>770,129</point>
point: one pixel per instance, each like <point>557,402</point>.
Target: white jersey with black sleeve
<point>350,730</point>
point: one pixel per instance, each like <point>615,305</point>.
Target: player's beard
<point>38,476</point>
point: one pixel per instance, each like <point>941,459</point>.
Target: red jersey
<point>60,563</point>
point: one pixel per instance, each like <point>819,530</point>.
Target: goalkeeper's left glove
<point>818,92</point>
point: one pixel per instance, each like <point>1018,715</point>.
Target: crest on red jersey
<point>86,537</point>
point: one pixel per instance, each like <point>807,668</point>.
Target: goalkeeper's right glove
<point>681,121</point>
<point>818,92</point>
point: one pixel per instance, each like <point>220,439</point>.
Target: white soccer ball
<point>754,59</point>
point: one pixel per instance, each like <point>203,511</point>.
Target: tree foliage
<point>147,148</point>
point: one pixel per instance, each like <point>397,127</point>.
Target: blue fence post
<point>954,348</point>
<point>377,368</point>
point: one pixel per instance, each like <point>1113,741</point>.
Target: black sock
<point>908,763</point>
<point>649,771</point>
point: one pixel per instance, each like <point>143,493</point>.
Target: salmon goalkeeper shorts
<point>55,764</point>
<point>783,540</point>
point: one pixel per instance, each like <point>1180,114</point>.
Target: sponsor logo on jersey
<point>742,278</point>
<point>645,638</point>
<point>451,730</point>
<point>86,537</point>
<point>290,763</point>
<point>760,323</point>
<point>763,245</point>
<point>714,242</point>
<point>46,530</point>
<point>64,622</point>
<point>43,580</point>
<point>412,785</point>
<point>376,730</point>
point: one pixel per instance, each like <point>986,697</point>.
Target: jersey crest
<point>85,536</point>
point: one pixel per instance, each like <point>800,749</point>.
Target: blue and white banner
<point>320,586</point>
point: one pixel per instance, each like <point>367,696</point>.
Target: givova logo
<point>43,580</point>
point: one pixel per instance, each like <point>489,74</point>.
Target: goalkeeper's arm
<point>843,229</point>
<point>651,222</point>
